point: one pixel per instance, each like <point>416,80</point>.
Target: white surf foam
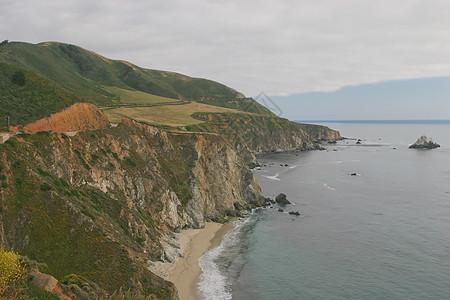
<point>273,177</point>
<point>213,284</point>
<point>344,161</point>
<point>328,187</point>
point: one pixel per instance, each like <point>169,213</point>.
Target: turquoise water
<point>383,234</point>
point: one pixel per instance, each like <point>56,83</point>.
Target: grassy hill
<point>26,97</point>
<point>54,75</point>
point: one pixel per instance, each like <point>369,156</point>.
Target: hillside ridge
<point>88,77</point>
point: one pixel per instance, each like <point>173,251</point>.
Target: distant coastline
<point>376,121</point>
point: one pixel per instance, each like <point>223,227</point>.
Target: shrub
<point>33,292</point>
<point>127,295</point>
<point>10,142</point>
<point>73,279</point>
<point>18,78</point>
<point>11,270</point>
<point>130,162</point>
<point>46,187</point>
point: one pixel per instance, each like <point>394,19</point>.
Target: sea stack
<point>282,199</point>
<point>424,142</point>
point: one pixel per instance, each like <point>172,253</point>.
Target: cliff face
<point>320,133</point>
<point>77,117</point>
<point>254,134</point>
<point>102,204</point>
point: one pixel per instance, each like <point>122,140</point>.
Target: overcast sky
<point>279,47</point>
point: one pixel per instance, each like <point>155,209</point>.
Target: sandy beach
<point>185,272</point>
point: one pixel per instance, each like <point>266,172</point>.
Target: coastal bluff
<point>104,203</point>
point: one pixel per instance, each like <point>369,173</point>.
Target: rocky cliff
<point>253,134</point>
<point>103,204</point>
<point>77,117</point>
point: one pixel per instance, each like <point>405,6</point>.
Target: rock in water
<point>424,143</point>
<point>295,213</point>
<point>281,198</point>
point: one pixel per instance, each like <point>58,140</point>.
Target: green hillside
<point>26,97</point>
<point>75,74</point>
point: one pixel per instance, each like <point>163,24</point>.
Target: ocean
<point>382,234</point>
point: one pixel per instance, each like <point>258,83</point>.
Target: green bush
<point>18,78</point>
<point>73,279</point>
<point>130,162</point>
<point>127,295</point>
<point>46,187</point>
<point>35,293</point>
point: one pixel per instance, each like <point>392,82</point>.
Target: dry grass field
<point>137,97</point>
<point>171,115</point>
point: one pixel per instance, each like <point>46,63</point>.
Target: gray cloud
<point>280,47</point>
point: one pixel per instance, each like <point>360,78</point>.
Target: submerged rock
<point>282,199</point>
<point>296,213</point>
<point>253,165</point>
<point>424,142</point>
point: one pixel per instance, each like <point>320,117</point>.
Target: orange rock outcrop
<point>78,117</point>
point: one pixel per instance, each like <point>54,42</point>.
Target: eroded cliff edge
<point>253,134</point>
<point>102,204</point>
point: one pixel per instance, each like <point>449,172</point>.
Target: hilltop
<point>39,79</point>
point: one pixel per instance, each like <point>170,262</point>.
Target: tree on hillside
<point>18,78</point>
